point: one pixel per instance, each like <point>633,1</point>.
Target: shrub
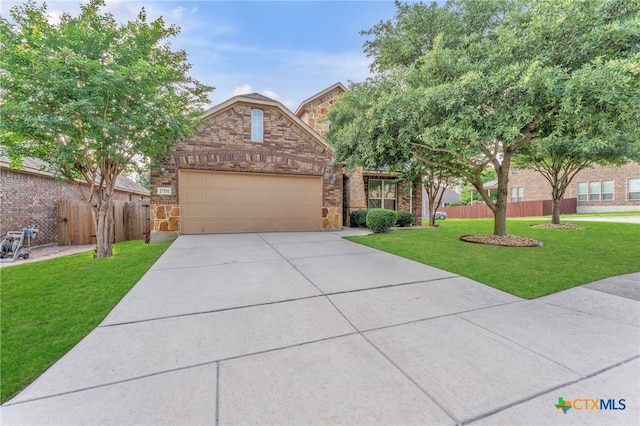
<point>380,220</point>
<point>404,219</point>
<point>358,218</point>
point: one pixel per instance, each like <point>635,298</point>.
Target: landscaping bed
<point>502,240</point>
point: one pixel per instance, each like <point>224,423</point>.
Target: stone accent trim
<point>165,218</point>
<point>331,218</point>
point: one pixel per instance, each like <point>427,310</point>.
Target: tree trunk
<point>500,221</point>
<point>104,213</point>
<point>432,209</point>
<point>104,223</point>
<point>555,211</point>
<point>500,206</point>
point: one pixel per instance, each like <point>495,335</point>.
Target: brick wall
<point>536,187</point>
<point>223,143</point>
<point>27,199</point>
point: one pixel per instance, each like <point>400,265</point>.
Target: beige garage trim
<point>224,202</point>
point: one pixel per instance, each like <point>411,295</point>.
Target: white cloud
<point>245,89</point>
<point>270,94</point>
<point>178,12</point>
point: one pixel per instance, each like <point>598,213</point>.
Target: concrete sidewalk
<point>308,328</point>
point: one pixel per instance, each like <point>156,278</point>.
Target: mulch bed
<point>506,240</point>
<point>557,226</point>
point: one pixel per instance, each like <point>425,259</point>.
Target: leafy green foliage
<point>603,250</point>
<point>404,219</point>
<point>380,220</point>
<point>49,306</point>
<point>478,81</point>
<point>89,96</point>
<point>358,218</point>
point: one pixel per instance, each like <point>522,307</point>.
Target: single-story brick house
<point>254,166</point>
<point>29,197</point>
<point>597,189</point>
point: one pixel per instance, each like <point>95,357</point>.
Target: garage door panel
<point>217,202</point>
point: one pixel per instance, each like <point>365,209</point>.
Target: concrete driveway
<point>307,328</point>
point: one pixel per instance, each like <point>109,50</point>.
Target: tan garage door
<point>218,202</point>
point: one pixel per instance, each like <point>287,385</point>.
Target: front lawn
<point>568,258</point>
<point>47,307</point>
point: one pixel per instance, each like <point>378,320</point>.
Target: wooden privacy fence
<point>76,227</point>
<point>518,209</point>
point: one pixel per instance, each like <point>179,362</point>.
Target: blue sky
<point>287,50</point>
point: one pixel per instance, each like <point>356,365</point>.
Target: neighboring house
<point>254,166</point>
<point>449,196</point>
<point>597,189</point>
<point>29,197</point>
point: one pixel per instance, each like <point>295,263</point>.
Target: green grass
<point>629,213</point>
<point>47,307</point>
<point>568,258</point>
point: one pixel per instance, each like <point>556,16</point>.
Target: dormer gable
<point>312,109</point>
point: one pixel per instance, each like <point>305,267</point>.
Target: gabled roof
<point>39,167</point>
<point>260,100</point>
<point>492,184</point>
<point>309,100</point>
<point>258,96</point>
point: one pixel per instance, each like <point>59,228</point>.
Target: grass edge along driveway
<point>568,258</point>
<point>48,307</point>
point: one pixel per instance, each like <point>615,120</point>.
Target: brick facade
<point>223,143</point>
<point>30,198</point>
<point>536,187</point>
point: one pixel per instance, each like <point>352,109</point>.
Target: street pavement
<point>308,328</point>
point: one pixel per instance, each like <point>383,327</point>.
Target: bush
<point>404,219</point>
<point>358,218</point>
<point>380,220</point>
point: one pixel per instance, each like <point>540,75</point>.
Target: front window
<point>517,194</point>
<point>607,190</point>
<point>382,194</point>
<point>634,189</point>
<point>256,125</point>
<point>595,191</point>
<point>582,191</point>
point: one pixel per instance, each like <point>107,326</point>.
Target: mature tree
<point>559,162</point>
<point>596,118</point>
<point>435,181</point>
<point>482,80</point>
<point>88,96</point>
<point>370,115</point>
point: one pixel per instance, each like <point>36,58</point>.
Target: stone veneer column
<point>165,222</point>
<point>331,218</point>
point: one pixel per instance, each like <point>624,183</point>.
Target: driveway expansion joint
<point>548,391</point>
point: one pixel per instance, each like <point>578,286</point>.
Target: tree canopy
<point>479,81</point>
<point>88,96</point>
